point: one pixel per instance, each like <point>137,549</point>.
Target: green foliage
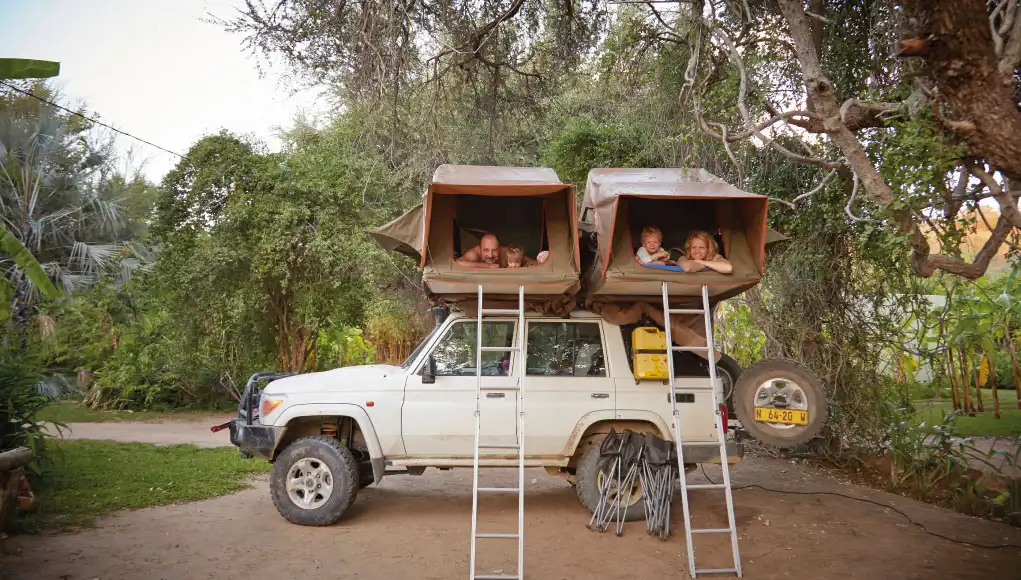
<point>25,68</point>
<point>73,411</point>
<point>88,479</point>
<point>341,347</point>
<point>738,332</point>
<point>20,404</point>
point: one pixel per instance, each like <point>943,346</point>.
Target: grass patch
<point>73,412</point>
<point>87,479</point>
<point>982,424</point>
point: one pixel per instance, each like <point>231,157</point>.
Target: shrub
<point>20,402</point>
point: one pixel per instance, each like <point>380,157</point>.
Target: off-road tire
<point>733,370</point>
<point>587,483</point>
<point>342,465</point>
<point>760,372</point>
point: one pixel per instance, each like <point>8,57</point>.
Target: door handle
<point>600,395</point>
<point>494,395</point>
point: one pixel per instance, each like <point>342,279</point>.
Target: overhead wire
<point>91,119</point>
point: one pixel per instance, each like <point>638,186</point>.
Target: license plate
<point>786,416</point>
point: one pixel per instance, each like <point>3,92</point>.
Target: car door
<point>438,419</point>
<point>565,379</point>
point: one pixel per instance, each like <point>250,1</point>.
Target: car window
<point>565,349</point>
<point>455,353</point>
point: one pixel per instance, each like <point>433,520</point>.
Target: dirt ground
<point>418,527</point>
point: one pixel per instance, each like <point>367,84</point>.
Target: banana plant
<point>21,68</point>
<point>26,68</point>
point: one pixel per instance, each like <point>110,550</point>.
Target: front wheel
<point>314,481</point>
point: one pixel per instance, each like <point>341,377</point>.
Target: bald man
<point>488,254</point>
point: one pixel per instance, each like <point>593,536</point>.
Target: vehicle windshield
<point>418,349</point>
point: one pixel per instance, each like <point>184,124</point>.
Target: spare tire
<point>790,399</point>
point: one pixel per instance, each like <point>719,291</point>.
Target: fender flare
<point>594,417</point>
<point>355,412</point>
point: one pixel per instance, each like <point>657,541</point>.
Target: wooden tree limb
<point>958,47</point>
<point>823,96</point>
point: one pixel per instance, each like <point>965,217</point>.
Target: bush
<point>20,402</point>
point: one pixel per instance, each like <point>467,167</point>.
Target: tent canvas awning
<point>619,202</point>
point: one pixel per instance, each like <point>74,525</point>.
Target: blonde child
<point>652,247</point>
<point>515,256</point>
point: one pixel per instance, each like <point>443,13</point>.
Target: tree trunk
<point>992,383</point>
<point>956,43</point>
<point>965,382</point>
<point>977,371</point>
<point>951,373</point>
<point>1015,371</point>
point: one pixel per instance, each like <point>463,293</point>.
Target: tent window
<point>676,218</point>
<point>519,220</point>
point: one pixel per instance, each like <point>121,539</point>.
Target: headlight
<point>269,404</point>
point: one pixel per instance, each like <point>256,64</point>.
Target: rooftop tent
<point>620,202</point>
<point>526,206</point>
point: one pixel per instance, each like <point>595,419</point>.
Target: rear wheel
<point>787,392</point>
<point>729,371</point>
<point>592,473</point>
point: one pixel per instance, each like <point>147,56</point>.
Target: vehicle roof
<point>575,314</point>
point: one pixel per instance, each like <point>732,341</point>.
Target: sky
<point>154,69</point>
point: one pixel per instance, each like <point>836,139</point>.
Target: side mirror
<point>429,372</point>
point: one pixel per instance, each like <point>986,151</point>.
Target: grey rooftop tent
<point>526,206</point>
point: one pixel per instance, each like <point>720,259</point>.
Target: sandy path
<point>195,432</point>
<point>418,527</point>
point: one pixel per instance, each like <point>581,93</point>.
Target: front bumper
<point>250,436</point>
<point>254,440</point>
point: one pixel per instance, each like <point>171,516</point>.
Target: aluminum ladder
<point>518,347</point>
<point>720,442</point>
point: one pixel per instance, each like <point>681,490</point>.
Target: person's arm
<point>662,256</point>
<point>473,259</point>
<point>719,264</point>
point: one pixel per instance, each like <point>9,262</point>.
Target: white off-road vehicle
<point>331,433</point>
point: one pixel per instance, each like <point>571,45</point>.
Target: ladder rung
<point>687,311</point>
<point>711,530</point>
<point>501,311</point>
<point>497,446</point>
<point>701,443</point>
<point>706,571</point>
<point>678,348</point>
<point>496,577</point>
<point>498,536</point>
<point>492,388</point>
<point>706,486</point>
<point>499,489</point>
<point>500,349</point>
<point>697,389</point>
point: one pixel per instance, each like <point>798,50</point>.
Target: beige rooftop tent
<point>620,202</point>
<point>526,206</point>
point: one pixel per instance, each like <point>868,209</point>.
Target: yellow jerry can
<point>648,350</point>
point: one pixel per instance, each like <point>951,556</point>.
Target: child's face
<point>651,243</point>
<point>513,262</point>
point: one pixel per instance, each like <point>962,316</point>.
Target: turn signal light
<point>269,405</point>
